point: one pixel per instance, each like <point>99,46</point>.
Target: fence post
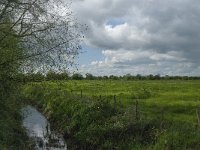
<point>115,103</point>
<point>81,93</point>
<point>198,119</point>
<point>136,110</point>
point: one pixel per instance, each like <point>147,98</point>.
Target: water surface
<point>38,128</point>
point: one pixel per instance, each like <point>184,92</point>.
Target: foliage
<point>48,36</point>
<point>34,35</point>
<point>51,75</point>
<point>77,76</point>
<point>12,136</point>
<point>64,75</point>
<point>89,76</point>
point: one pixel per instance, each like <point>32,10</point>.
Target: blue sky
<point>139,36</point>
<point>89,54</point>
<point>115,22</point>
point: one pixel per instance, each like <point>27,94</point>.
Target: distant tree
<point>51,75</point>
<point>34,77</point>
<point>138,77</point>
<point>99,77</point>
<point>77,76</point>
<point>105,77</point>
<point>128,76</point>
<point>112,77</point>
<point>157,77</point>
<point>185,77</point>
<point>64,75</point>
<point>166,77</point>
<point>150,77</point>
<point>89,76</point>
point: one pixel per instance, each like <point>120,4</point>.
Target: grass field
<point>167,108</point>
<point>176,99</point>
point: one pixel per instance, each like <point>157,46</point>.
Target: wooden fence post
<point>198,119</point>
<point>136,110</point>
<point>81,93</point>
<point>115,100</point>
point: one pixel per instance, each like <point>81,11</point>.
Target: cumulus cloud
<point>139,62</point>
<point>162,36</point>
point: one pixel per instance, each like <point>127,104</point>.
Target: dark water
<point>38,128</point>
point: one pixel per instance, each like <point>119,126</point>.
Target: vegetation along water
<point>121,114</point>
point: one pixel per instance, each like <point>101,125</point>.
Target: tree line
<point>53,76</point>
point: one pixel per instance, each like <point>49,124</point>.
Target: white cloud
<point>121,62</point>
<point>154,36</point>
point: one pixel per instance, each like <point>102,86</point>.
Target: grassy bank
<point>89,116</point>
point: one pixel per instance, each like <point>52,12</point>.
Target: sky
<point>139,37</point>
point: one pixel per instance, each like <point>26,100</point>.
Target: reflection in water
<point>38,128</point>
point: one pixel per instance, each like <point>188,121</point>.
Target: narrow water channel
<point>38,128</point>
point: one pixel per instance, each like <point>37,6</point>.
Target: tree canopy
<point>45,30</point>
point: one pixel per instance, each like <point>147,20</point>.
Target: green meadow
<point>121,114</point>
<point>180,98</point>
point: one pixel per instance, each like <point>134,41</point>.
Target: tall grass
<point>167,118</point>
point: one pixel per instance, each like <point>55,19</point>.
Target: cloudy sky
<point>139,36</point>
